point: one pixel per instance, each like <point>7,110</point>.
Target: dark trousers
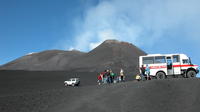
<point>109,79</point>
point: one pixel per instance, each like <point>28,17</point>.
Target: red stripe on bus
<point>185,65</point>
<point>157,67</point>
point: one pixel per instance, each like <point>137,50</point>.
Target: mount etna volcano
<point>34,83</point>
<point>111,54</point>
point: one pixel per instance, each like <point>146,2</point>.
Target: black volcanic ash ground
<point>23,91</point>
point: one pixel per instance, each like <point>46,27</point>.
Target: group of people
<point>145,73</point>
<point>108,77</point>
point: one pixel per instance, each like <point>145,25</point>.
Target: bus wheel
<point>191,74</point>
<point>160,75</point>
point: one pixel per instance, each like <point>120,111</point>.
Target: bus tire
<point>160,75</point>
<point>191,74</point>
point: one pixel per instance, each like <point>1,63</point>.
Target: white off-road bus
<point>163,65</point>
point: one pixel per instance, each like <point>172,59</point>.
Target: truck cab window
<point>185,61</point>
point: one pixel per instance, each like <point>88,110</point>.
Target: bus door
<point>176,64</point>
<point>169,65</point>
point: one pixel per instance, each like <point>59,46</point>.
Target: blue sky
<point>167,26</point>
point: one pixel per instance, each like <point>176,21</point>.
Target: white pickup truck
<point>72,82</point>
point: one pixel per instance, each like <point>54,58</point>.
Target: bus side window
<point>148,60</point>
<point>176,58</point>
<point>160,59</point>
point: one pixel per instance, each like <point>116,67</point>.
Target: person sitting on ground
<point>118,78</point>
<point>138,78</point>
<point>115,79</point>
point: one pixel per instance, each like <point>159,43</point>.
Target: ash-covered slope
<point>43,61</point>
<point>178,95</point>
<point>111,54</point>
<point>32,91</point>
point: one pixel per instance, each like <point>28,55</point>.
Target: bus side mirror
<point>190,61</point>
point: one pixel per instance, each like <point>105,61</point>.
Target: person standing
<point>99,79</point>
<point>143,72</point>
<point>112,75</point>
<point>107,74</point>
<point>104,77</point>
<point>147,72</point>
<point>122,74</point>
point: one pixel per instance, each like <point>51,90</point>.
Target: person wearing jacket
<point>104,77</point>
<point>143,75</point>
<point>108,76</point>
<point>99,79</point>
<point>122,74</point>
<point>147,69</point>
<point>112,75</point>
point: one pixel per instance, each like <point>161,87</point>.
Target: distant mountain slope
<point>43,61</point>
<point>111,54</point>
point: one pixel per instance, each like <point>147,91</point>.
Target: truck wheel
<point>191,74</point>
<point>160,75</point>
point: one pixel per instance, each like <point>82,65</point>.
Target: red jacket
<point>99,77</point>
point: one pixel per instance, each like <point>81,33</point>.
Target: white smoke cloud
<point>157,26</point>
<point>102,35</point>
<point>71,49</point>
<point>141,22</point>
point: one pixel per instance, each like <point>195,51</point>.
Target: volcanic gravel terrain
<point>23,91</point>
